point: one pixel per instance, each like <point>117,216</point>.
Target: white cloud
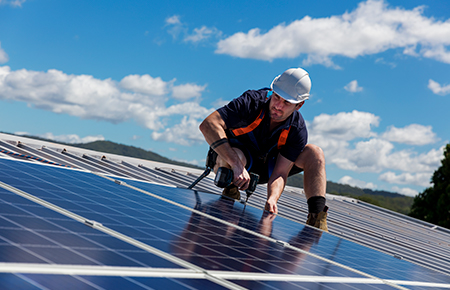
<point>185,133</point>
<point>344,126</point>
<point>405,191</point>
<point>140,98</point>
<point>13,3</point>
<point>202,33</point>
<point>72,138</point>
<point>145,84</point>
<point>349,143</point>
<point>413,134</point>
<point>353,87</point>
<point>366,156</point>
<point>3,56</point>
<point>376,155</point>
<point>187,91</point>
<point>177,27</point>
<point>334,132</point>
<point>382,61</point>
<point>371,28</point>
<point>420,179</point>
<point>356,183</point>
<point>436,88</point>
<point>409,161</point>
<point>172,20</point>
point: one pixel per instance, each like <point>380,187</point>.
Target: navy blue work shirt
<point>245,109</point>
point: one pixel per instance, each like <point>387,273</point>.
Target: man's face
<point>280,109</point>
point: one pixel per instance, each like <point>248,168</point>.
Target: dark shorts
<point>257,165</point>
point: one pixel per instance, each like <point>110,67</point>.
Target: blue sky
<point>145,73</point>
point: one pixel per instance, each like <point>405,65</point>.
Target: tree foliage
<point>433,205</point>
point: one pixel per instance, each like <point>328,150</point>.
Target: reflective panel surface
<point>205,231</point>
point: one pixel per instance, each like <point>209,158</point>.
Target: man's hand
<point>241,177</point>
<point>271,206</point>
<point>276,183</point>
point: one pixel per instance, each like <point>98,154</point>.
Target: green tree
<point>433,205</point>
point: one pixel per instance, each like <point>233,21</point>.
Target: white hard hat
<point>293,85</point>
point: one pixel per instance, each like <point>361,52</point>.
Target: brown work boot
<point>318,220</point>
<point>232,191</point>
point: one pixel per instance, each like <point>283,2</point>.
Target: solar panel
<point>229,244</point>
<point>31,233</point>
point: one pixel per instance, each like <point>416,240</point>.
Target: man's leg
<point>312,161</point>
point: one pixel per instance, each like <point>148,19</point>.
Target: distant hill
<point>130,151</point>
<point>119,149</point>
<point>389,200</point>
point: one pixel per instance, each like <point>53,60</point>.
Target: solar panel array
<point>78,219</point>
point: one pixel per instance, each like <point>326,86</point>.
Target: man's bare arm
<point>213,129</point>
<point>277,182</point>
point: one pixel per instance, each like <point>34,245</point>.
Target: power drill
<point>224,177</point>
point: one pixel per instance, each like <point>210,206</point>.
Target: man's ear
<point>299,105</point>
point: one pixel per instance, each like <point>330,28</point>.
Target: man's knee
<point>316,153</point>
<point>312,155</point>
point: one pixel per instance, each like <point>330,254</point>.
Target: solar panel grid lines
<point>132,172</point>
<point>105,166</point>
<point>387,241</point>
<point>52,244</point>
<point>274,241</point>
<point>76,163</point>
<point>52,157</point>
<point>359,222</point>
<point>158,173</point>
<point>148,174</point>
<point>205,185</point>
<point>109,167</point>
<point>12,154</point>
<point>180,180</point>
<point>422,228</point>
<point>8,146</point>
<point>187,273</point>
<point>17,153</point>
<point>401,230</point>
<point>95,167</point>
<point>368,241</point>
<point>115,234</point>
<point>292,207</point>
<point>402,226</point>
<point>88,270</point>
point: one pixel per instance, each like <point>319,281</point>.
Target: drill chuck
<point>224,177</point>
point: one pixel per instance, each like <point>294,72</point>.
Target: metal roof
<point>93,219</point>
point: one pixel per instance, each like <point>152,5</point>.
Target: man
<point>263,132</point>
